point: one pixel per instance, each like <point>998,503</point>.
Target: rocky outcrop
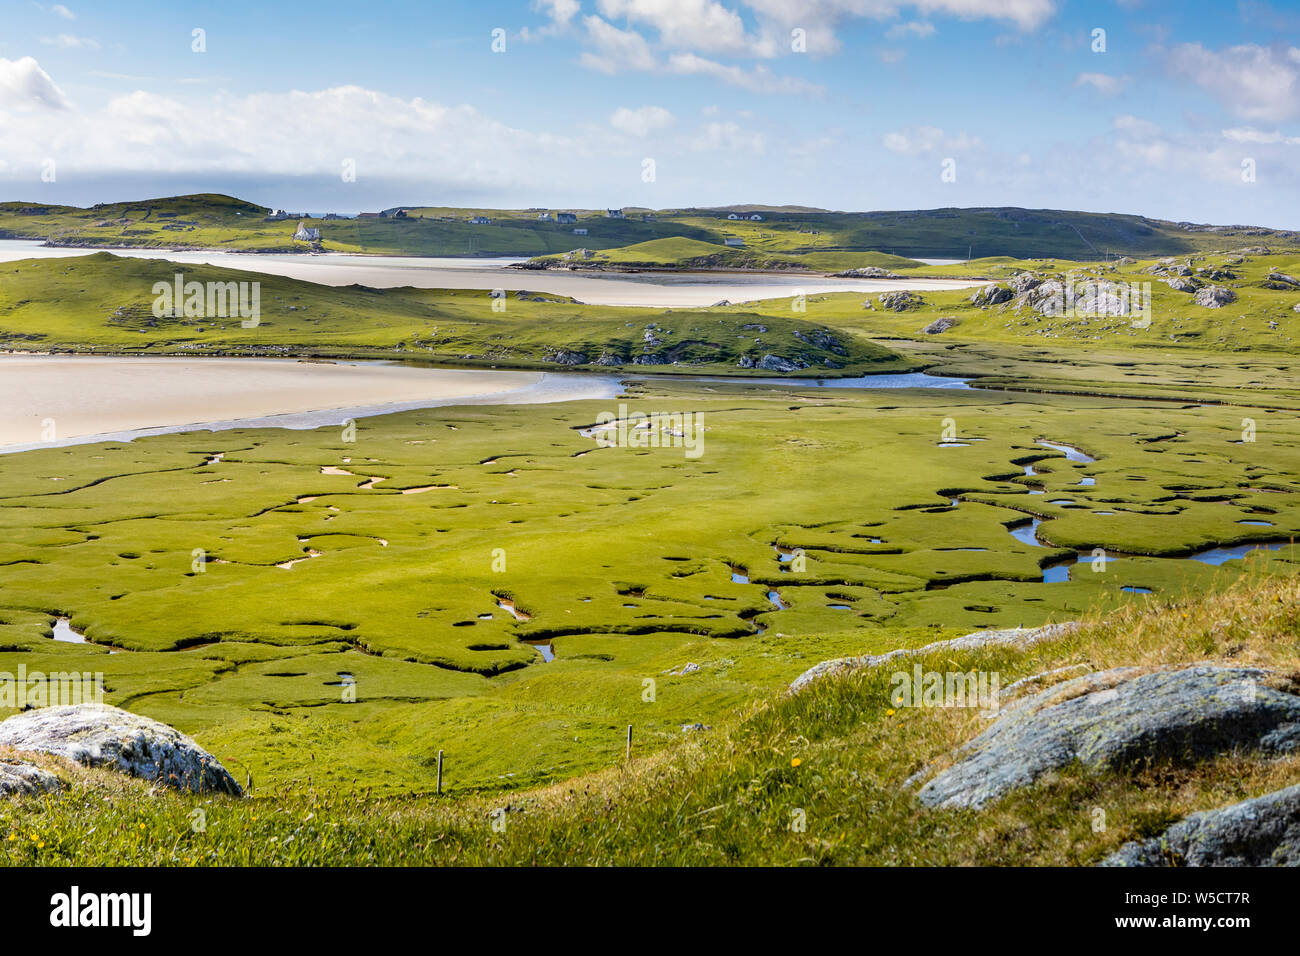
<point>1215,297</point>
<point>1018,637</point>
<point>19,778</point>
<point>775,363</point>
<point>1181,284</point>
<point>98,735</point>
<point>992,294</point>
<point>901,301</point>
<point>866,272</point>
<point>567,357</point>
<point>941,324</point>
<point>1022,282</point>
<point>1119,718</point>
<point>1281,282</point>
<point>822,339</point>
<point>1264,831</point>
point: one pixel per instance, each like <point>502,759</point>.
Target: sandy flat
<point>78,396</point>
<point>645,289</point>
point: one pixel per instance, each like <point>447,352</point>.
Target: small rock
<point>940,325</point>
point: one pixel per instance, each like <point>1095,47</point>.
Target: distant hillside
<point>818,239</point>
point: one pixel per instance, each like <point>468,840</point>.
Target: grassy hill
<point>101,302</point>
<point>820,239</point>
<point>687,254</point>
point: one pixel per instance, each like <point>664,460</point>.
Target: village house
<point>479,221</point>
<point>580,232</point>
<point>565,218</point>
<point>613,214</point>
<point>733,242</point>
<point>755,218</point>
<point>732,215</point>
<point>306,233</point>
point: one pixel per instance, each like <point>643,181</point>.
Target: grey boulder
<point>1112,720</point>
<point>1264,831</point>
<point>1215,296</point>
<point>98,735</point>
<point>17,777</point>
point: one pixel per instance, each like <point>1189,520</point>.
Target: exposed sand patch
<point>53,398</point>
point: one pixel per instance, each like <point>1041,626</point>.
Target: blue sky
<point>1192,111</point>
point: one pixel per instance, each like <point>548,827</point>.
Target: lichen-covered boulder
<point>900,301</point>
<point>1116,719</point>
<point>1215,297</point>
<point>1264,831</point>
<point>98,735</point>
<point>18,777</point>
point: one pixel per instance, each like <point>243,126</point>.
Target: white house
<point>544,216</point>
<point>755,218</point>
<point>306,234</point>
<point>613,214</point>
<point>580,232</point>
<point>732,215</point>
<point>479,221</point>
<point>733,242</point>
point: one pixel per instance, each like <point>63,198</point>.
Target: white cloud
<point>615,49</point>
<point>60,10</point>
<point>641,122</point>
<point>1255,82</point>
<point>24,85</point>
<point>1103,83</point>
<point>67,41</point>
<point>759,79</point>
<point>1248,134</point>
<point>891,55</point>
<point>1135,126</point>
<point>686,24</point>
<point>916,28</point>
<point>728,136</point>
<point>561,12</point>
<point>918,140</point>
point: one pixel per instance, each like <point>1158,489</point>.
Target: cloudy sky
<point>1180,110</point>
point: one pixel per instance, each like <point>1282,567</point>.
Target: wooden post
<point>439,772</point>
<point>629,741</point>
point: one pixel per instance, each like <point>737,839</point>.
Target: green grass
<point>101,302</point>
<point>621,557</point>
<point>815,779</point>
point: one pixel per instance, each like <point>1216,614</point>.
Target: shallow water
<point>77,389</point>
<point>63,632</point>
